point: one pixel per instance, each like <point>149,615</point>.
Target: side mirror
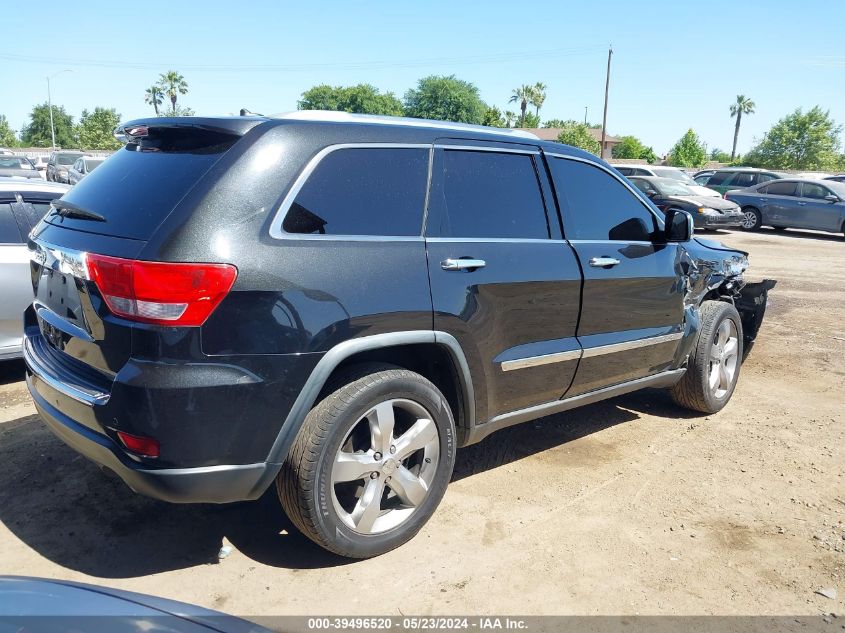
<point>832,198</point>
<point>679,226</point>
<point>651,193</point>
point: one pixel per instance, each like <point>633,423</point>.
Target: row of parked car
<point>64,166</point>
<point>745,197</point>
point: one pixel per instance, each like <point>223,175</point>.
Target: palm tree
<point>742,106</point>
<point>173,84</point>
<point>522,96</point>
<point>510,117</point>
<point>154,96</point>
<point>538,97</point>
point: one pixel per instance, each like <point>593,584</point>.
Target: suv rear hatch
<point>93,237</point>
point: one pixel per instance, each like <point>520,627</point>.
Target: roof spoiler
<point>230,126</point>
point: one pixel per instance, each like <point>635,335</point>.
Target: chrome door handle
<point>603,262</point>
<point>462,264</point>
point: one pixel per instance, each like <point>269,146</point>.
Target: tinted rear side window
<point>596,206</point>
<point>781,188</point>
<point>719,177</point>
<point>137,188</point>
<point>9,233</point>
<point>486,195</point>
<point>363,191</point>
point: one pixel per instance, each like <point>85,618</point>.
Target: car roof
<point>25,185</point>
<point>658,179</point>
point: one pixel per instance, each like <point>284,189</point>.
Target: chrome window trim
<point>625,346</point>
<point>495,240</point>
<point>487,148</point>
<point>544,359</point>
<point>637,193</point>
<point>278,233</point>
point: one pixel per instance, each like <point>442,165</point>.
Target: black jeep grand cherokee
<point>334,304</point>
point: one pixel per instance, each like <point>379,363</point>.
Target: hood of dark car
<point>711,202</point>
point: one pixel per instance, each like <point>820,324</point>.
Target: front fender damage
<point>717,274</point>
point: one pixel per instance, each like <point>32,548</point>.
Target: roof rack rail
<point>334,116</point>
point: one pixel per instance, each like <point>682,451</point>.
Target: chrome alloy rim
<point>750,220</point>
<point>385,466</point>
<point>724,358</point>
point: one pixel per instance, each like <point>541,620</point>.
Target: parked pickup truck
<point>333,304</point>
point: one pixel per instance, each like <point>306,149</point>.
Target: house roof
<point>551,134</point>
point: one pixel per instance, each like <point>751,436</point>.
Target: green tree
<point>8,138</point>
<point>720,156</point>
<point>632,147</point>
<point>538,97</point>
<point>531,120</point>
<point>445,99</point>
<point>523,96</point>
<point>742,106</point>
<point>361,99</point>
<point>800,140</point>
<point>96,129</point>
<point>578,135</point>
<point>689,151</point>
<point>557,123</point>
<point>37,132</point>
<point>493,117</point>
<point>510,118</point>
<point>173,84</point>
<point>154,96</point>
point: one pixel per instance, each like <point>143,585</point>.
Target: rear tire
<point>714,364</point>
<point>371,462</point>
<point>753,219</point>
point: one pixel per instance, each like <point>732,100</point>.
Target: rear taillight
<point>725,196</point>
<point>143,446</point>
<point>163,293</point>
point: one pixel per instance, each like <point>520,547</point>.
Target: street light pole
<point>50,106</point>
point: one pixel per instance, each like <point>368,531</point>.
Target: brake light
<point>143,446</point>
<point>162,293</point>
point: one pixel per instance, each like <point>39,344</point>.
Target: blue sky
<point>677,64</point>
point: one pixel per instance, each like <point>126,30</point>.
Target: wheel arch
<point>399,348</point>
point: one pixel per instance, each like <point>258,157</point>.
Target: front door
<point>816,212</point>
<point>632,304</point>
<point>503,282</point>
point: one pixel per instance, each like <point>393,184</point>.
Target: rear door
<point>632,309</point>
<point>14,280</point>
<point>779,203</point>
<point>503,282</point>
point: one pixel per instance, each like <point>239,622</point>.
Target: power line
<point>359,65</point>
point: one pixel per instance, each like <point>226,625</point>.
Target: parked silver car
<point>22,204</point>
<point>17,166</point>
<point>799,203</point>
<point>82,167</point>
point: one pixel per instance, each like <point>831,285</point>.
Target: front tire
<point>371,462</point>
<point>714,364</point>
<point>753,219</point>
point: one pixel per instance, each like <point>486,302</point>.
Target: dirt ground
<point>630,506</point>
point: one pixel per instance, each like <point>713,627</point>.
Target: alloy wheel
<point>724,358</point>
<point>385,466</point>
<point>750,220</point>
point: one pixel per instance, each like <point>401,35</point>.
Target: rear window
<point>66,159</point>
<point>137,188</point>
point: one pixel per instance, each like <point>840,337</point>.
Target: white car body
<point>15,283</point>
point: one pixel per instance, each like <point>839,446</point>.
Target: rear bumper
<point>209,484</point>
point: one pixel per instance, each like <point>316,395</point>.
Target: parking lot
<point>627,506</point>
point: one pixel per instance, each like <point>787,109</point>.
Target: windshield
<point>671,188</point>
<point>66,159</point>
<point>674,174</point>
<point>14,162</point>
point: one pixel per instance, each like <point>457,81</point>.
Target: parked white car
<point>23,202</point>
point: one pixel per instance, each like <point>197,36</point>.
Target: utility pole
<point>585,115</point>
<point>606,92</point>
<point>50,106</point>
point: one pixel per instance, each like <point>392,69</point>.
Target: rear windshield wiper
<point>70,210</point>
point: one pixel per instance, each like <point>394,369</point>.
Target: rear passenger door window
<point>9,233</point>
<point>486,194</point>
<point>376,191</point>
<point>597,206</point>
<point>742,180</point>
<point>780,188</point>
